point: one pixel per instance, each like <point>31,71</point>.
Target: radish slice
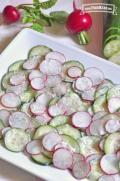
<point>83,84</point>
<point>109,164</point>
<point>97,127</point>
<point>44,118</point>
<point>53,80</point>
<point>95,75</point>
<point>112,126</point>
<point>17,79</point>
<point>55,110</point>
<point>93,157</point>
<point>31,64</point>
<point>4,116</point>
<point>56,55</point>
<point>62,158</point>
<point>77,157</point>
<point>18,89</point>
<point>19,120</point>
<point>101,144</point>
<point>99,115</point>
<point>81,119</point>
<point>74,72</point>
<point>10,100</point>
<point>37,83</point>
<point>113,104</point>
<point>89,94</point>
<point>36,74</point>
<point>4,130</point>
<point>51,67</point>
<point>106,178</point>
<point>81,169</point>
<point>50,140</point>
<point>44,99</point>
<point>34,147</point>
<point>63,145</point>
<point>37,109</point>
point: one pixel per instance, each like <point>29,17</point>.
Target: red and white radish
<point>34,147</point>
<point>37,83</point>
<point>74,72</point>
<point>83,84</point>
<point>56,55</point>
<point>10,100</point>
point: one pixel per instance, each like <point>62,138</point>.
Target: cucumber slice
<point>112,143</point>
<point>17,66</point>
<point>67,65</point>
<point>113,92</point>
<point>68,130</point>
<point>59,120</point>
<point>16,139</point>
<point>53,101</point>
<point>115,58</point>
<point>89,145</point>
<point>41,159</point>
<point>42,130</point>
<point>111,48</point>
<point>100,104</point>
<point>5,82</point>
<point>101,92</point>
<point>72,143</point>
<point>1,127</point>
<point>27,96</point>
<point>39,50</point>
<point>111,38</point>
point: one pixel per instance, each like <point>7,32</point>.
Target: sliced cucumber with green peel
<point>27,95</point>
<point>72,143</point>
<point>59,120</point>
<point>111,48</point>
<point>100,104</point>
<point>16,139</point>
<point>17,66</point>
<point>42,130</point>
<point>69,64</point>
<point>115,58</point>
<point>113,92</point>
<point>68,130</point>
<point>42,159</point>
<point>5,82</point>
<point>89,145</point>
<point>112,143</point>
<point>39,50</point>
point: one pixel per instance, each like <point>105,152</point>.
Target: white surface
<point>18,49</point>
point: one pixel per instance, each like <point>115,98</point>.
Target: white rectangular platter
<point>18,49</point>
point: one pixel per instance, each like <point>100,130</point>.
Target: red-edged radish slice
<point>106,178</point>
<point>99,115</point>
<point>97,127</point>
<point>89,94</point>
<point>4,130</point>
<point>44,118</point>
<point>34,147</point>
<point>55,110</point>
<point>101,144</point>
<point>18,89</point>
<point>93,157</point>
<point>10,100</point>
<point>50,140</point>
<point>83,84</point>
<point>112,125</point>
<point>4,116</point>
<point>81,119</point>
<point>81,169</point>
<point>77,157</point>
<point>37,109</point>
<point>62,159</point>
<point>109,164</point>
<point>95,75</point>
<point>113,104</point>
<point>31,64</point>
<point>36,74</point>
<point>56,55</point>
<point>53,80</point>
<point>19,120</point>
<point>51,67</point>
<point>44,99</point>
<point>17,79</point>
<point>37,83</point>
<point>63,145</point>
<point>74,72</point>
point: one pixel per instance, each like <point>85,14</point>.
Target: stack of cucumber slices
<point>62,114</point>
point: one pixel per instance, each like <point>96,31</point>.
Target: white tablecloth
<point>7,171</point>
